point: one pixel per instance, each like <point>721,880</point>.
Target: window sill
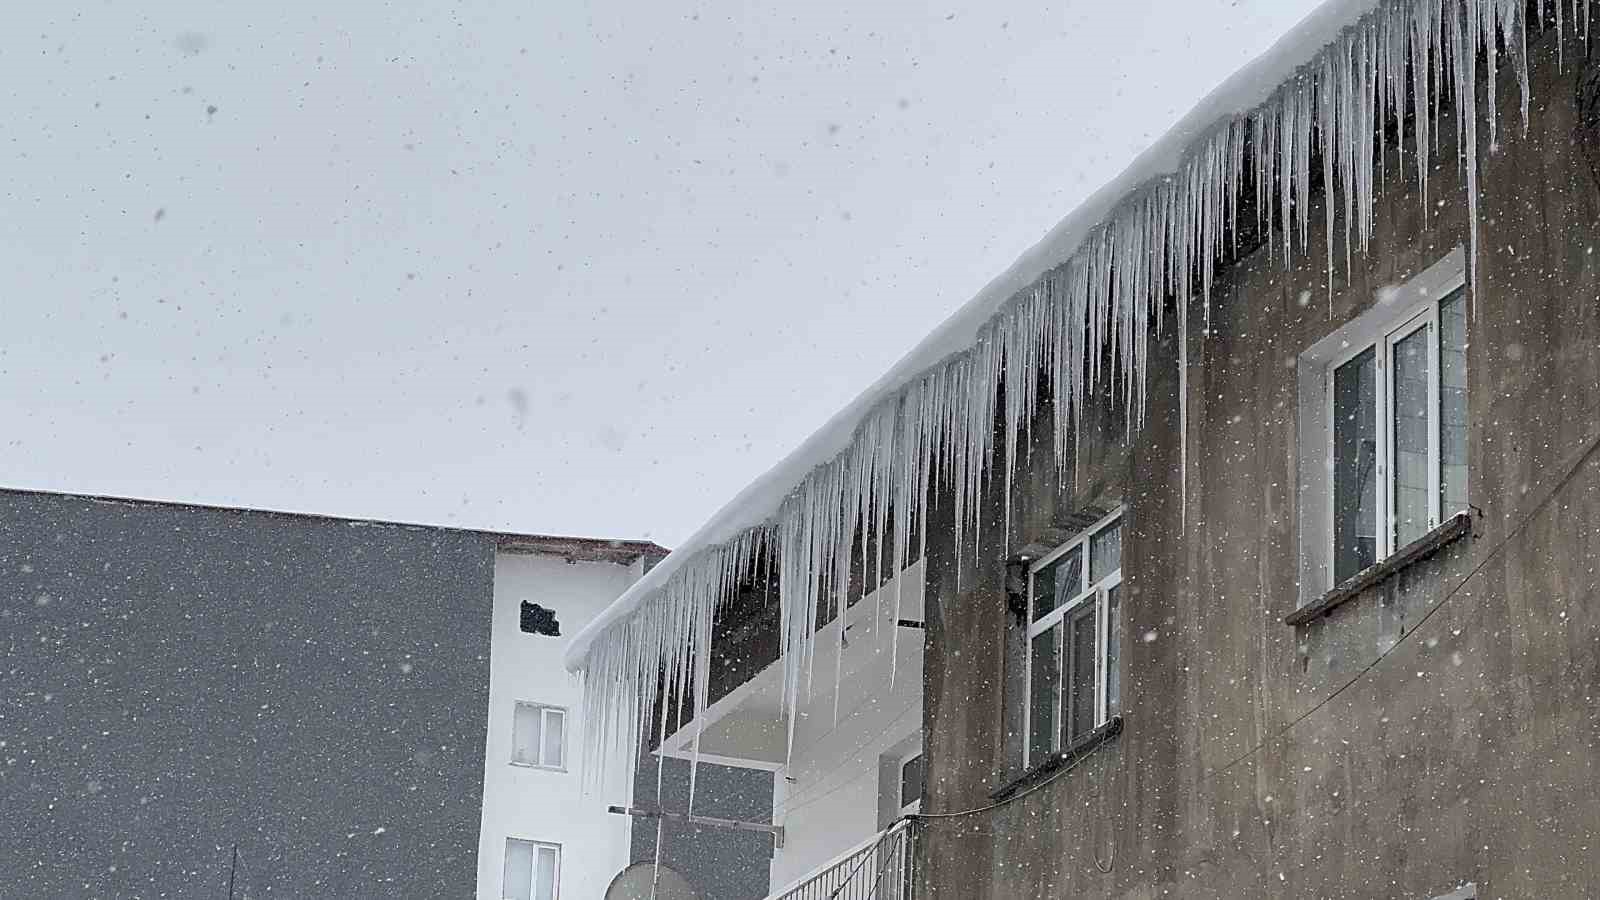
<point>1068,757</point>
<point>536,767</point>
<point>1448,532</point>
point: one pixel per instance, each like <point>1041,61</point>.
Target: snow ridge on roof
<point>1097,281</point>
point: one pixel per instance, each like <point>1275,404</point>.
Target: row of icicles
<point>1406,57</point>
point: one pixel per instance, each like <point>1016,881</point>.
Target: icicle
<point>1183,413</point>
<point>1325,134</point>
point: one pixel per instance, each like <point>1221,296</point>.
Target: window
<point>532,870</point>
<point>1398,420</point>
<point>911,784</point>
<point>539,736</point>
<point>1383,428</point>
<point>1074,640</point>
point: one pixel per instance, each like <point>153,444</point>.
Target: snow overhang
<point>761,500</point>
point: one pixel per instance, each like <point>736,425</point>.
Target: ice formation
<point>1093,291</point>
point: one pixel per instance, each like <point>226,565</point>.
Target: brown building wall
<point>1471,750</point>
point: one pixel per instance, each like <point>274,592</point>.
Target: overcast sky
<point>532,266</point>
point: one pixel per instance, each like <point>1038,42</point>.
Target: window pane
<point>516,882</point>
<point>911,781</point>
<point>1410,397</point>
<point>1453,404</point>
<point>1105,552</point>
<point>525,734</point>
<point>554,737</point>
<point>1058,582</point>
<point>1044,592</point>
<point>1045,695</point>
<point>1355,457</point>
<point>544,887</point>
<point>1113,652</point>
<point>1081,686</point>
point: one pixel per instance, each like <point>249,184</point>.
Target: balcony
<point>882,868</point>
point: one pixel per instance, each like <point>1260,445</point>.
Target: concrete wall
<point>540,804</point>
<point>1246,768</point>
<point>175,679</point>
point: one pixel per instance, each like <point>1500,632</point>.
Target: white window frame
<point>1424,315</point>
<point>1094,594</point>
<point>533,874</point>
<point>1412,306</point>
<point>546,712</point>
<point>914,806</point>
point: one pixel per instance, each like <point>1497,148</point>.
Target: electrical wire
<point>789,808</point>
<point>900,853</point>
<point>1505,540</point>
<point>1494,551</point>
<point>866,854</point>
<point>1078,757</point>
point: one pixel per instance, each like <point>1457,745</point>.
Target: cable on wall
<point>1494,551</point>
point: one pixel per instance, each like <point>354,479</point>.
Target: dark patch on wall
<point>177,679</point>
<point>538,620</point>
<point>721,863</point>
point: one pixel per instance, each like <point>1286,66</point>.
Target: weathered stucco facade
<point>1442,727</point>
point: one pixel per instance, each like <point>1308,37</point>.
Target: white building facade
<point>543,836</point>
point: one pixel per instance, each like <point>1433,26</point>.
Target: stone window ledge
<point>1058,761</point>
<point>1446,533</point>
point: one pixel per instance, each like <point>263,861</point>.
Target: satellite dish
<point>634,883</point>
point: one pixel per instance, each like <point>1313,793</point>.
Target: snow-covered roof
<point>760,500</point>
<point>1097,282</point>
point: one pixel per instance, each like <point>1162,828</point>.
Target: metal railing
<point>882,869</point>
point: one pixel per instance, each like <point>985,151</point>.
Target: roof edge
<point>622,551</point>
<point>1246,89</point>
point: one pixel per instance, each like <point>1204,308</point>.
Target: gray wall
<point>1469,753</point>
<point>174,680</point>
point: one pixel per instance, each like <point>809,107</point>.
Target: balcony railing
<point>881,869</point>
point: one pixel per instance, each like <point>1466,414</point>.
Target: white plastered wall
<point>536,804</point>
